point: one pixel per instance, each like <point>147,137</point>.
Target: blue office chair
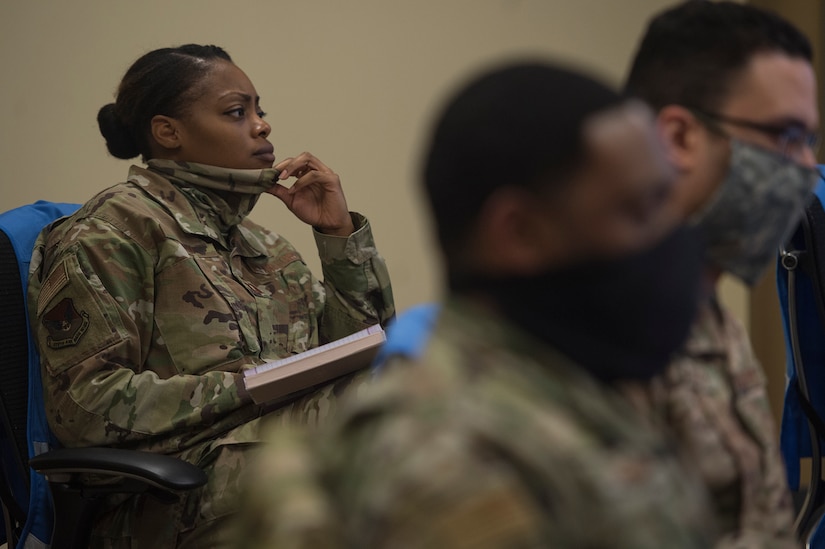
<point>45,497</point>
<point>407,334</point>
<point>801,287</point>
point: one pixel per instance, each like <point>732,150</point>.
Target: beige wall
<point>353,82</point>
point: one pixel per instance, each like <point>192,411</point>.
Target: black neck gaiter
<point>620,319</point>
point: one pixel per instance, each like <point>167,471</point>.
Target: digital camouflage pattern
<point>713,397</point>
<point>489,440</point>
<point>147,305</point>
<point>754,210</point>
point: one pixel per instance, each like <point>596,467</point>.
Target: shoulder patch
<point>56,282</point>
<point>65,324</point>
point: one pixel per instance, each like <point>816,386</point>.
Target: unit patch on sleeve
<point>65,324</point>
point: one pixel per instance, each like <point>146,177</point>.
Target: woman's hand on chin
<point>316,196</point>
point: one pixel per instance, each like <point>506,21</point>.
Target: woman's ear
<point>681,133</point>
<point>165,131</point>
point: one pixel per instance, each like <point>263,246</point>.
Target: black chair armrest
<point>77,499</point>
<point>163,472</point>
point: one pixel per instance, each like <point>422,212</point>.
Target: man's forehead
<point>625,138</point>
<point>774,87</point>
<point>616,120</point>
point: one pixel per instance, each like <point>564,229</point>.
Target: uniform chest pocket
<point>286,305</point>
<point>202,316</point>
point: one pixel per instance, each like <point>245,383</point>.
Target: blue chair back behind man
<point>407,334</point>
<point>801,288</point>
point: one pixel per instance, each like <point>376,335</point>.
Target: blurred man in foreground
<point>548,192</point>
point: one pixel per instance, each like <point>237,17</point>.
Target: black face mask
<point>621,319</point>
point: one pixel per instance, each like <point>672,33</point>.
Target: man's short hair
<point>690,53</point>
<point>516,125</point>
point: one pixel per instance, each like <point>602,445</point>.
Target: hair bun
<point>118,137</point>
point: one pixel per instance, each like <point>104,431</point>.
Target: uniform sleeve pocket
<point>74,320</point>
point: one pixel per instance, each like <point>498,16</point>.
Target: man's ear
<point>165,131</point>
<point>682,136</point>
<point>516,235</point>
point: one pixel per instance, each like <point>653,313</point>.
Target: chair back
<point>407,334</point>
<point>801,288</point>
<point>23,428</point>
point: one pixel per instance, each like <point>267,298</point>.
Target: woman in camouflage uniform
<point>150,301</point>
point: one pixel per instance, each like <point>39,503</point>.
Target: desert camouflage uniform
<point>148,305</point>
<point>489,440</point>
<point>713,396</point>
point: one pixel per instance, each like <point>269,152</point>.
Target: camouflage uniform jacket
<point>489,440</point>
<point>713,396</point>
<point>147,306</point>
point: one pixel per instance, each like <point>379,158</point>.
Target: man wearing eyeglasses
<point>735,95</point>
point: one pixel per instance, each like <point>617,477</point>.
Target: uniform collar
<point>208,213</point>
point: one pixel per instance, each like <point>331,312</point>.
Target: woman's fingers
<point>325,181</point>
<point>300,165</point>
<point>280,191</point>
<point>316,196</point>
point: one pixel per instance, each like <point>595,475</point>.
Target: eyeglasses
<point>791,138</point>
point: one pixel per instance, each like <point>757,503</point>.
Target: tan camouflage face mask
<point>220,179</point>
<point>757,205</point>
<point>225,195</point>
